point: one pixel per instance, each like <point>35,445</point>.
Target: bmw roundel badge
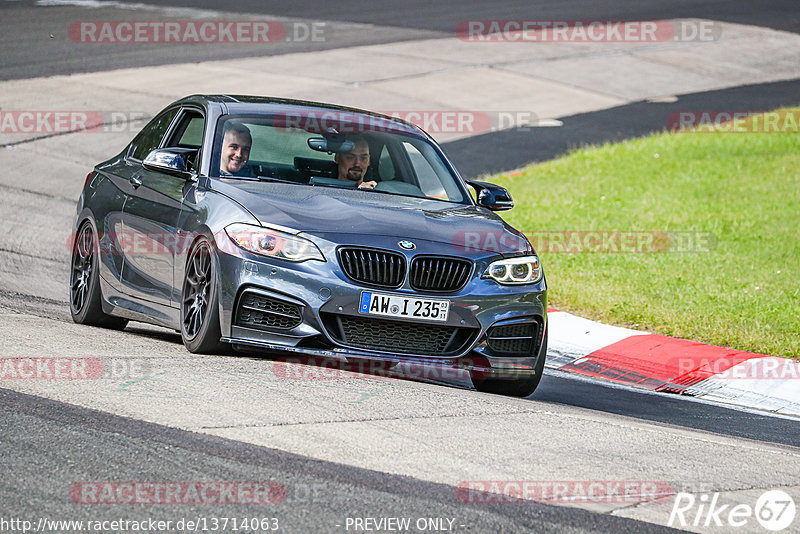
<point>407,245</point>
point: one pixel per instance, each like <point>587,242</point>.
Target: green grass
<point>741,188</point>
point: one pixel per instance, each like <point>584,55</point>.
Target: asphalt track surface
<point>54,444</point>
<point>51,437</point>
<point>444,16</point>
<point>35,41</point>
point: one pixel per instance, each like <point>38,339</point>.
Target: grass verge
<point>723,209</point>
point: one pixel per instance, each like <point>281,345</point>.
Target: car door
<point>105,191</point>
<point>111,186</point>
<point>150,216</point>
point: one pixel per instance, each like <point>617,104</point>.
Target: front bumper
<point>318,296</point>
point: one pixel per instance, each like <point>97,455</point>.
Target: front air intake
<point>266,313</point>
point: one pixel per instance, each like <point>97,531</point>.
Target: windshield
<point>381,160</point>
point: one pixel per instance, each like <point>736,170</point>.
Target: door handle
<point>135,181</point>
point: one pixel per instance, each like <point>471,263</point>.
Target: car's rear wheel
<point>84,283</point>
<point>515,387</point>
<point>200,328</point>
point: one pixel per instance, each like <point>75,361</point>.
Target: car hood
<point>324,211</point>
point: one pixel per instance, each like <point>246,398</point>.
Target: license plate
<point>400,306</point>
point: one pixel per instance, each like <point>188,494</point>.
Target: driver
<point>354,164</point>
<point>236,143</point>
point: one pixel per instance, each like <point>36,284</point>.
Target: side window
<point>189,131</point>
<point>151,136</point>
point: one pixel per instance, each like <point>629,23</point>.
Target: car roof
<point>259,104</point>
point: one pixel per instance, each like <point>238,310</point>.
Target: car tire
<point>200,330</point>
<point>85,300</point>
<point>518,387</point>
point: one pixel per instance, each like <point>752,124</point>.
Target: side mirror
<point>491,196</point>
<point>171,161</point>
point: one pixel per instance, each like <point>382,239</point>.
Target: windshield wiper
<point>279,180</point>
<point>260,179</point>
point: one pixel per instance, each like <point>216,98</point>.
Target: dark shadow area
<point>668,409</point>
<point>151,332</point>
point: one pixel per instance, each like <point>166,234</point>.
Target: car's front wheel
<point>200,328</point>
<point>84,282</point>
<point>516,387</point>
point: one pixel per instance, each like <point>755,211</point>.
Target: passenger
<point>353,165</point>
<point>236,143</point>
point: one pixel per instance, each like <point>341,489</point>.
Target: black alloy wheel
<point>84,285</point>
<point>200,328</point>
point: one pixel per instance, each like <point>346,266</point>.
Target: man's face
<point>353,164</point>
<point>235,152</point>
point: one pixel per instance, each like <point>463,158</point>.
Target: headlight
<point>522,270</point>
<point>273,243</point>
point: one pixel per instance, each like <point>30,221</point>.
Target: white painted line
<point>547,123</point>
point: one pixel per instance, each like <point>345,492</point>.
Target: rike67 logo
<point>774,510</point>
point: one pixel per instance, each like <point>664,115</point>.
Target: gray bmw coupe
<point>311,229</point>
